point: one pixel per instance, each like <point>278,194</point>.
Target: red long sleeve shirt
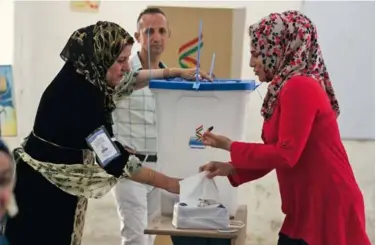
<point>320,197</point>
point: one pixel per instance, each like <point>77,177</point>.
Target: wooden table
<point>163,226</point>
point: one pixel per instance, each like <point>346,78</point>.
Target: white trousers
<point>137,205</point>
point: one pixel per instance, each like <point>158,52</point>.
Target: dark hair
<point>150,10</point>
<point>4,148</point>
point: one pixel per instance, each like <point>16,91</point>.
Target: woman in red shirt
<point>320,196</point>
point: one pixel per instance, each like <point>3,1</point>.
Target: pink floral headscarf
<point>288,45</point>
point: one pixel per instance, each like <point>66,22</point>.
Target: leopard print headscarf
<point>288,45</point>
<point>93,50</point>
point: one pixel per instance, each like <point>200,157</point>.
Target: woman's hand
<point>217,169</point>
<point>190,74</point>
<point>216,141</point>
<point>174,186</point>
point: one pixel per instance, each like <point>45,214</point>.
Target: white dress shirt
<point>135,118</point>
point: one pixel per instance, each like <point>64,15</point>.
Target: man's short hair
<point>150,11</point>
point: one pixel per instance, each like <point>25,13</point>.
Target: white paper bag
<point>199,206</point>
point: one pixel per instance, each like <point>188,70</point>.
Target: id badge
<point>105,149</point>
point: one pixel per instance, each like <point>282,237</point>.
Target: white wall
<point>356,103</point>
<point>41,30</point>
<point>7,27</point>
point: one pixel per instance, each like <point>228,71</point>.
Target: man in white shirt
<point>135,127</point>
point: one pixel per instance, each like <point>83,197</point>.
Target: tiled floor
<point>102,223</point>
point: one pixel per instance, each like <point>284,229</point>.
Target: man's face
<point>154,25</point>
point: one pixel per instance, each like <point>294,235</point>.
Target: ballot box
<point>185,109</point>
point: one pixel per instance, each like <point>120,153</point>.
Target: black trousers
<point>285,240</point>
<point>46,213</point>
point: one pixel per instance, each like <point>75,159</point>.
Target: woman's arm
<point>148,176</point>
<point>139,79</point>
<point>134,80</point>
<point>144,76</point>
<point>241,176</point>
<point>130,166</point>
<point>299,105</point>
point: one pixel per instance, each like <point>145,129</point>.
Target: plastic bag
<point>198,188</point>
<point>199,206</point>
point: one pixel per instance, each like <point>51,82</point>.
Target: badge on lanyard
<point>100,142</point>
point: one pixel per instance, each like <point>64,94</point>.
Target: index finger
<point>214,174</point>
<point>208,133</point>
<point>207,167</point>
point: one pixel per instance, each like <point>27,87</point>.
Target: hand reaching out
<point>174,185</point>
<point>190,74</point>
<point>216,141</point>
<point>217,169</point>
